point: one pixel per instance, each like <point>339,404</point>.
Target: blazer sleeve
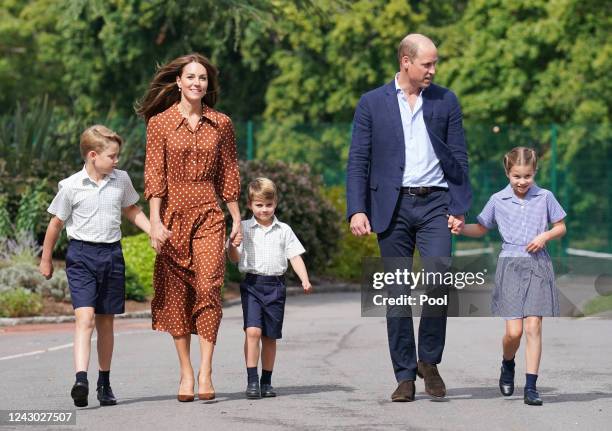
<point>358,167</point>
<point>455,138</point>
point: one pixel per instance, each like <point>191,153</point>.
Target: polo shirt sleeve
<point>293,246</point>
<point>487,216</point>
<point>555,210</point>
<point>61,206</point>
<point>130,195</point>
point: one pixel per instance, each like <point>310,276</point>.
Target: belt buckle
<point>410,191</point>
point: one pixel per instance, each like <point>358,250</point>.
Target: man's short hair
<point>97,138</point>
<point>408,48</point>
<point>263,189</point>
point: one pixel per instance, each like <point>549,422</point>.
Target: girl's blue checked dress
<point>524,282</point>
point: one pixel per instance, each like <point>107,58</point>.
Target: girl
<point>524,281</point>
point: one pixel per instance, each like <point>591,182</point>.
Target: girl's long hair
<point>163,91</point>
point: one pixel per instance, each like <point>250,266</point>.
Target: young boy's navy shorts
<point>96,276</point>
<point>263,303</point>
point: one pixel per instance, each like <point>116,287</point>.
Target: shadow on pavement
<point>233,396</point>
<point>547,393</point>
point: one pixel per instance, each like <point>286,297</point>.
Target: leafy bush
<point>23,248</point>
<point>301,205</point>
<point>139,262</point>
<point>19,269</point>
<point>6,227</point>
<point>347,261</point>
<point>19,302</point>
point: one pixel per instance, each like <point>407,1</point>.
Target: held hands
<point>159,235</point>
<point>537,244</point>
<point>46,268</point>
<point>360,225</point>
<point>236,233</point>
<point>307,287</point>
<point>456,223</point>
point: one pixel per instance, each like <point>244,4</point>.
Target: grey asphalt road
<point>333,372</point>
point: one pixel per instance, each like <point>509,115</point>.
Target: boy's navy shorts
<point>263,303</point>
<point>96,276</point>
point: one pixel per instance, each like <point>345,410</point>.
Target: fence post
<point>250,149</point>
<point>553,158</point>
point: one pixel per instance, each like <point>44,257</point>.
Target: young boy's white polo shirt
<point>92,212</point>
<point>266,249</point>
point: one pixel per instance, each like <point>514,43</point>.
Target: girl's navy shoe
<point>532,397</point>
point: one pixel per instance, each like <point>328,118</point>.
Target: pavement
<point>332,372</point>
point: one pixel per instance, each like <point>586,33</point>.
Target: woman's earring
<point>179,88</point>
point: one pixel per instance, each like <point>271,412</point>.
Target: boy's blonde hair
<point>520,156</point>
<point>262,188</point>
<point>97,138</point>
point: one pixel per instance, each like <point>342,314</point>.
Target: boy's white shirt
<point>265,250</point>
<point>90,211</point>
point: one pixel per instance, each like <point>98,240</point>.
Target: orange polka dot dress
<point>189,170</point>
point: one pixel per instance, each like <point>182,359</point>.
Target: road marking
<point>64,346</point>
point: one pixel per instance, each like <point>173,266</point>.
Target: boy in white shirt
<point>267,245</point>
<point>89,203</point>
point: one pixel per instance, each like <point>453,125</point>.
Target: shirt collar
<point>83,175</point>
<point>254,223</point>
<point>178,119</point>
<point>508,193</point>
<point>398,89</point>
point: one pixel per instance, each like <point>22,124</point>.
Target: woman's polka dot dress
<point>188,169</point>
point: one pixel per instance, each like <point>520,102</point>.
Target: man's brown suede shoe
<point>434,385</point>
<point>404,391</point>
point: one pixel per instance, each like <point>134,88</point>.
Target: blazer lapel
<point>394,112</point>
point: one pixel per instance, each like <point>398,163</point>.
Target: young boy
<point>266,246</point>
<point>90,204</point>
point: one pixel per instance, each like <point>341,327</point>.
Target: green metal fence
<point>575,164</point>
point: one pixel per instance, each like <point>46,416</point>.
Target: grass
<point>598,305</point>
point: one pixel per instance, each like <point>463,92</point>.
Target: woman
<point>191,160</point>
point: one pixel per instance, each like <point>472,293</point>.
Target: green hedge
<point>346,263</point>
<point>302,205</point>
<point>139,261</point>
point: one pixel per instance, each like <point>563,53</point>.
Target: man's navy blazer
<point>377,156</point>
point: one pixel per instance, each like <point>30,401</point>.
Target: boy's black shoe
<point>252,391</point>
<point>106,396</point>
<point>79,394</point>
<point>532,397</point>
<point>267,391</point>
<point>506,381</point>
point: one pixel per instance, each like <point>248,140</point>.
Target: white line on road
<point>63,346</point>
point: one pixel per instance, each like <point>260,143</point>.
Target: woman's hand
<point>159,235</point>
<point>236,233</point>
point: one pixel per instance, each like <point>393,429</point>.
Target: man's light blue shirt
<point>422,167</point>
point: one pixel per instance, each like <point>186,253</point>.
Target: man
<point>407,180</point>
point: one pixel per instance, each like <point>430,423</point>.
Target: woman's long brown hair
<point>163,91</point>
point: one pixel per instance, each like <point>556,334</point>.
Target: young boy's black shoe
<point>106,396</point>
<point>506,381</point>
<point>267,391</point>
<point>532,397</point>
<point>253,392</point>
<point>79,394</point>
